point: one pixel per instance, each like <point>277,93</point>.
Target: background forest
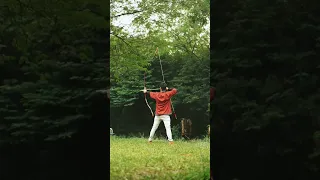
<point>180,30</point>
<point>265,66</point>
<point>53,59</point>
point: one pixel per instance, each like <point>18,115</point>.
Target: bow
<point>174,113</point>
<point>145,95</point>
<point>145,88</point>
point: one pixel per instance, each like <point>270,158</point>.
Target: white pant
<point>166,120</point>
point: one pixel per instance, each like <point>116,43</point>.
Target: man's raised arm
<point>172,91</point>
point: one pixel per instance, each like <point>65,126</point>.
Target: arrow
<point>151,90</point>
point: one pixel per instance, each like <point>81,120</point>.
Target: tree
<point>52,59</point>
<point>265,68</point>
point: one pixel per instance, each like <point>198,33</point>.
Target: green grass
<point>134,158</point>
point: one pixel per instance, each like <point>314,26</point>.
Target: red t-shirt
<point>163,104</point>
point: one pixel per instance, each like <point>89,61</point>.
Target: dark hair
<point>163,86</point>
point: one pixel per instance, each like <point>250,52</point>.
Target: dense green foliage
<point>180,29</point>
<point>265,66</point>
<point>52,57</point>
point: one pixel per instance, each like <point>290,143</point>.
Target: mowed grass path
<point>134,158</point>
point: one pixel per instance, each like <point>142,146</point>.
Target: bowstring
<point>161,66</point>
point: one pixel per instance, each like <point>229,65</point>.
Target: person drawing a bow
<point>163,109</point>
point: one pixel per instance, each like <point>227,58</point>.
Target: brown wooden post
<point>190,127</point>
<point>186,128</point>
<point>182,127</point>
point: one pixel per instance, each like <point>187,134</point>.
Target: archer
<point>163,109</point>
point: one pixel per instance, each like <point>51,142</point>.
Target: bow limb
<point>148,105</point>
<point>174,112</point>
<point>145,95</point>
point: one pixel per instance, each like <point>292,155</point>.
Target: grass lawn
<point>134,158</point>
